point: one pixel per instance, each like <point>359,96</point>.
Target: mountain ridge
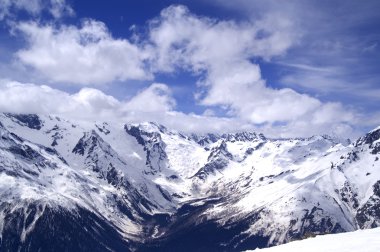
<point>160,189</point>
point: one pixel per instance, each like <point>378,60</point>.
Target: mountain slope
<point>361,240</point>
<point>149,188</point>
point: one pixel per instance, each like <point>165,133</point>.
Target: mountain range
<point>68,185</point>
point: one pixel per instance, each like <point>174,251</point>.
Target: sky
<point>284,68</point>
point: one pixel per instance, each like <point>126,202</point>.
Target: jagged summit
<point>145,187</point>
<point>370,138</point>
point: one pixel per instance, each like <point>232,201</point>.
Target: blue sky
<point>285,68</point>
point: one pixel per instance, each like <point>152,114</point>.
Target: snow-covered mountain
<point>111,186</point>
<point>361,240</point>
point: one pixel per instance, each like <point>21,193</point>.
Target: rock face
<point>29,120</point>
<point>153,146</point>
<point>40,227</point>
<point>217,160</point>
<point>65,186</point>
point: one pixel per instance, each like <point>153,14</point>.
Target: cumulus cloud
<point>153,103</point>
<point>30,98</point>
<point>56,8</point>
<point>88,103</point>
<point>183,39</point>
<point>222,54</point>
<point>91,105</point>
<point>156,98</point>
<point>82,55</point>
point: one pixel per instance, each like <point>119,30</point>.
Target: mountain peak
<point>148,127</point>
<point>152,184</point>
<point>370,138</point>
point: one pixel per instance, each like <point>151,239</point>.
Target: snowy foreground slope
<point>361,240</point>
<point>106,186</point>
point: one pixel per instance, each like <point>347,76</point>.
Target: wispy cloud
<point>324,69</point>
<point>337,50</point>
<point>56,8</point>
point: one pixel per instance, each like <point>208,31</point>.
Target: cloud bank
<point>153,103</point>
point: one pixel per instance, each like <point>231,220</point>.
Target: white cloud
<point>151,104</point>
<point>156,98</point>
<point>334,57</point>
<point>57,8</point>
<point>329,111</point>
<point>222,53</point>
<point>85,55</point>
<point>30,98</point>
<point>154,103</point>
<point>60,8</point>
<point>182,39</point>
<point>332,81</point>
<point>31,6</point>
